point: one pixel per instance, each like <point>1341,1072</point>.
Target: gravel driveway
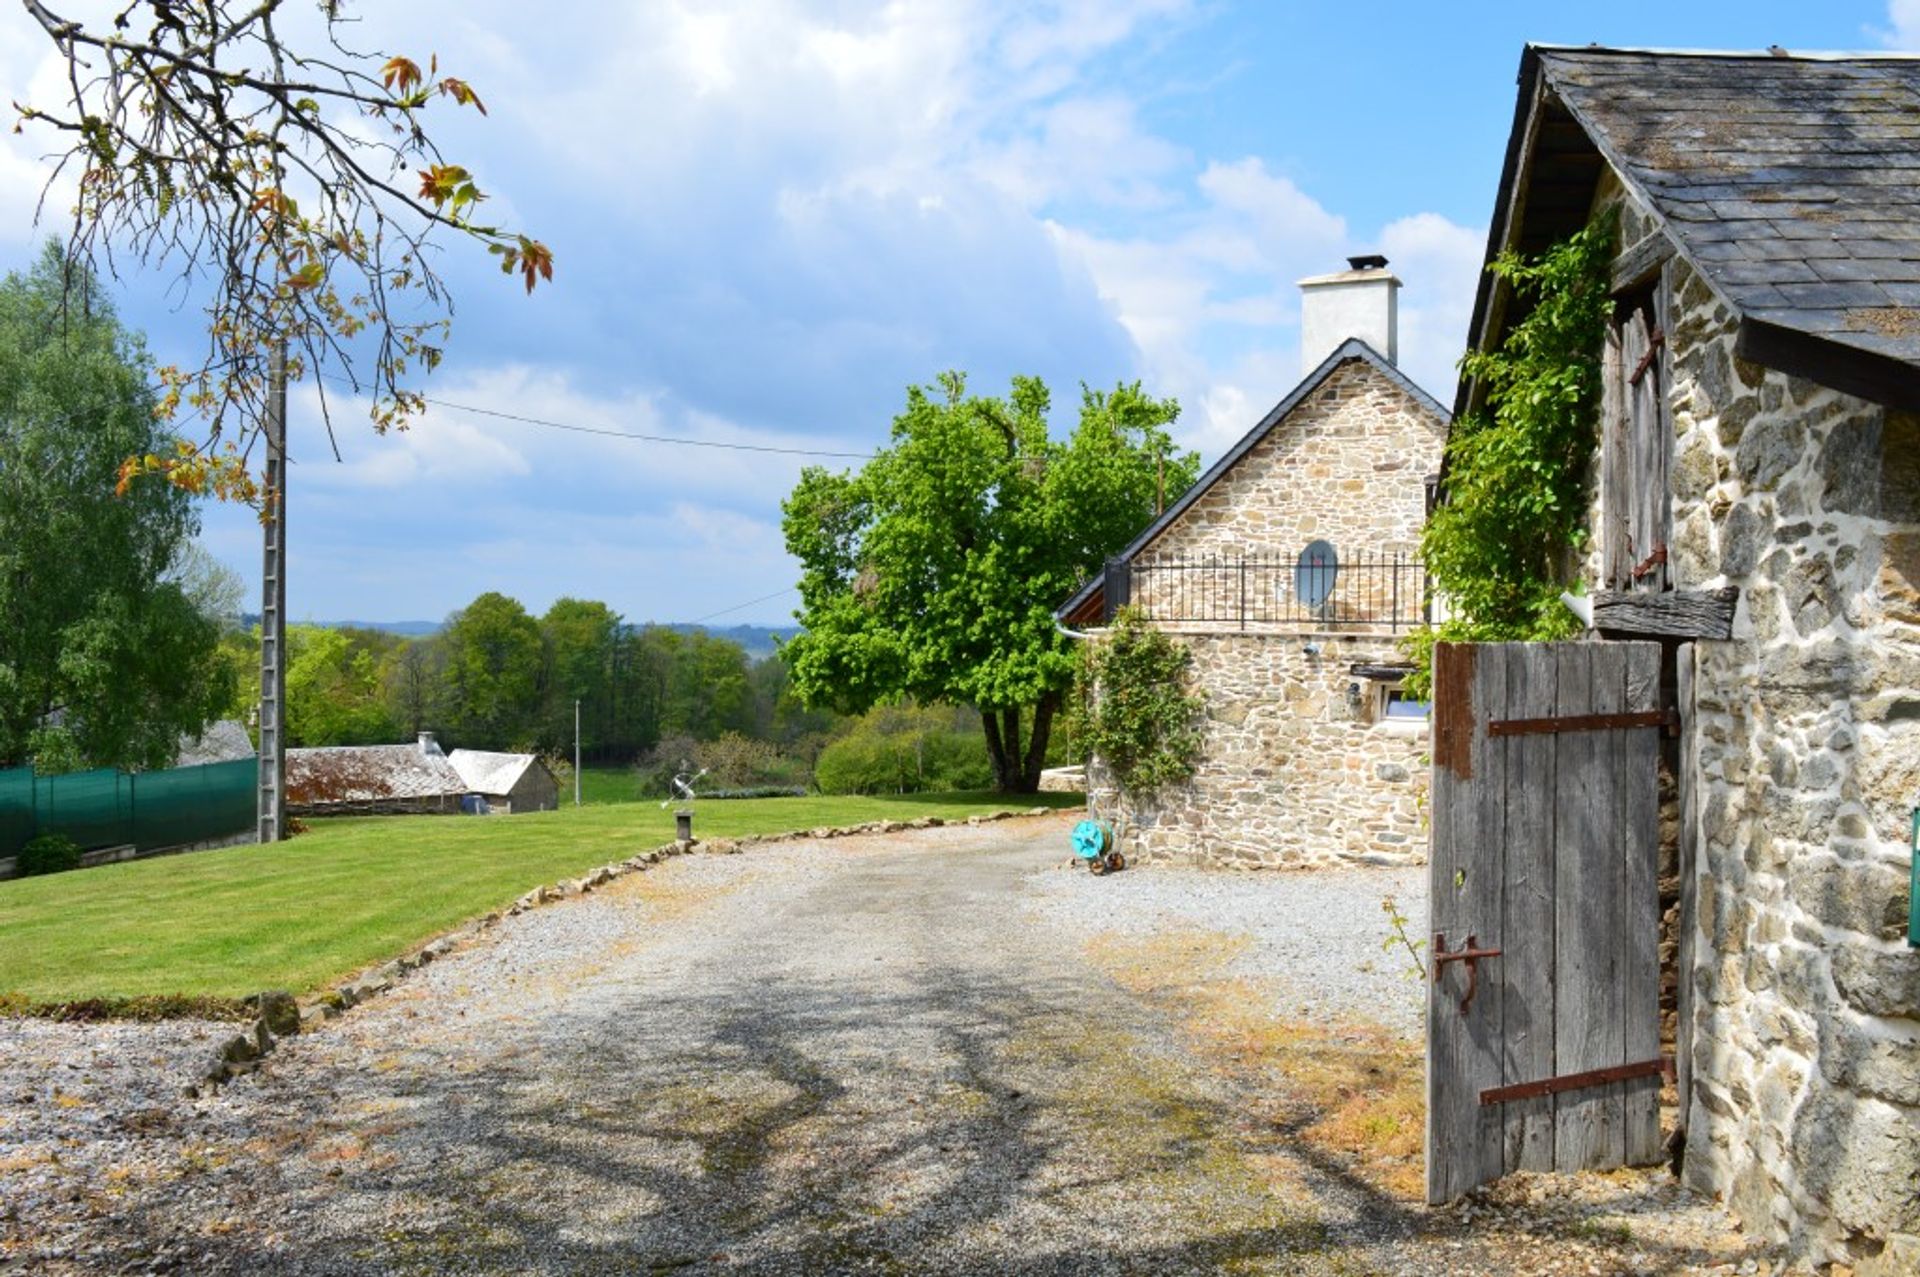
<point>886,1054</point>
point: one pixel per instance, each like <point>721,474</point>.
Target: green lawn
<point>610,785</point>
<point>352,892</point>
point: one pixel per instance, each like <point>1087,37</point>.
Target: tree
<point>411,676</point>
<point>708,691</point>
<point>334,695</point>
<point>580,637</point>
<point>104,661</point>
<point>267,162</point>
<point>933,572</point>
<point>215,590</point>
<point>492,679</point>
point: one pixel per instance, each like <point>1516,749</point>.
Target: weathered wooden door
<point>1543,1053</point>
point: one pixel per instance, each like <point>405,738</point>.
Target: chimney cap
<point>1368,261</point>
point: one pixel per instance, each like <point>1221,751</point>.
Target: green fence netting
<point>110,808</point>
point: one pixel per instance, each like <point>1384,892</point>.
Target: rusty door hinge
<point>1470,953</point>
<point>1662,1067</point>
<point>1655,340</point>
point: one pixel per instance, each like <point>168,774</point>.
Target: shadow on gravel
<point>972,1127</point>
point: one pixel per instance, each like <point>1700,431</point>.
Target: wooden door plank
<point>1463,1051</point>
<point>1615,459</point>
<point>1527,934</point>
<point>1485,894</point>
<point>1587,1001</point>
<point>1452,727</point>
<point>1637,763</point>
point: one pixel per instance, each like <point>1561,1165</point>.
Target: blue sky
<point>771,216</point>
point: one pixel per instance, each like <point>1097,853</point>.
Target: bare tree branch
<point>278,184</point>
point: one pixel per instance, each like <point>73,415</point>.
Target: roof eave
<point>1864,374</point>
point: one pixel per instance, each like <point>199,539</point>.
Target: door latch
<point>1469,953</point>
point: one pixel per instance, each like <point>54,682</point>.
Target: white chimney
<point>428,745</point>
<point>1362,302</point>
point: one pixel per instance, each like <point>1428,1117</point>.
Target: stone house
<point>508,782</point>
<point>1757,491</point>
<point>373,780</point>
<point>1290,571</point>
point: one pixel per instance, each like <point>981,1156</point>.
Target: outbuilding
<point>373,780</point>
<point>508,782</point>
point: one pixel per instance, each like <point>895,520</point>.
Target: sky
<point>770,217</point>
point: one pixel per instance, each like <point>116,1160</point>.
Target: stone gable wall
<point>1806,1108</point>
<point>1292,774</point>
<point>1349,465</point>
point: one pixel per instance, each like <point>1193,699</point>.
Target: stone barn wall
<point>1291,776</point>
<point>1806,1014</point>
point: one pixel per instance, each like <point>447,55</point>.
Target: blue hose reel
<point>1093,843</point>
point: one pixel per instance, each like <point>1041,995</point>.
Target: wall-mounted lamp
<point>1353,697</point>
<point>1311,649</point>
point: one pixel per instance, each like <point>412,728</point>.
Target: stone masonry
<point>1292,774</point>
<point>1299,767</point>
<point>1806,1100</point>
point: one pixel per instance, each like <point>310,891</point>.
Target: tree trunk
<point>1016,770</point>
<point>997,752</point>
<point>1037,747</point>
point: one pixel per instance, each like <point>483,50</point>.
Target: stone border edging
<point>283,1016</point>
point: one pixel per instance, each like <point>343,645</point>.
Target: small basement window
<point>1397,705</point>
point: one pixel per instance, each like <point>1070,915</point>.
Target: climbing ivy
<point>1501,548</point>
<point>1132,709</point>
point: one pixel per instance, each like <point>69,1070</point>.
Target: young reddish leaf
<point>536,261</point>
<point>401,73</point>
<point>462,92</point>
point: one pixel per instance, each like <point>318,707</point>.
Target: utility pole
<point>576,751</point>
<point>273,609</point>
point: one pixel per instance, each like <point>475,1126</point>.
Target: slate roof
<point>1791,183</point>
<point>489,773</point>
<point>223,742</point>
<point>1351,348</point>
<point>368,773</point>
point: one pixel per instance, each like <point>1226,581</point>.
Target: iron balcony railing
<point>1241,591</point>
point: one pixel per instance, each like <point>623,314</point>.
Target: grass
<point>350,893</point>
<point>613,785</point>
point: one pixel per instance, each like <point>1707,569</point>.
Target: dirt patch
<point>1355,1091</point>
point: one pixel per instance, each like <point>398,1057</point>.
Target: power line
<point>741,607</point>
<point>630,434</point>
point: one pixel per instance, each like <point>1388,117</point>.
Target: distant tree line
<point>498,677</point>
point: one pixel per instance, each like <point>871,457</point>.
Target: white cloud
<point>770,215</point>
<point>1903,25</point>
<point>1212,303</point>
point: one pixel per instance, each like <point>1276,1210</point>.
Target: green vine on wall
<point>1132,709</point>
<point>1504,544</point>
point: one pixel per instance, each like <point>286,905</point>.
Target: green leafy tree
<point>933,572</point>
<point>411,680</point>
<point>493,661</point>
<point>708,691</point>
<point>104,661</point>
<point>581,638</point>
<point>334,693</point>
